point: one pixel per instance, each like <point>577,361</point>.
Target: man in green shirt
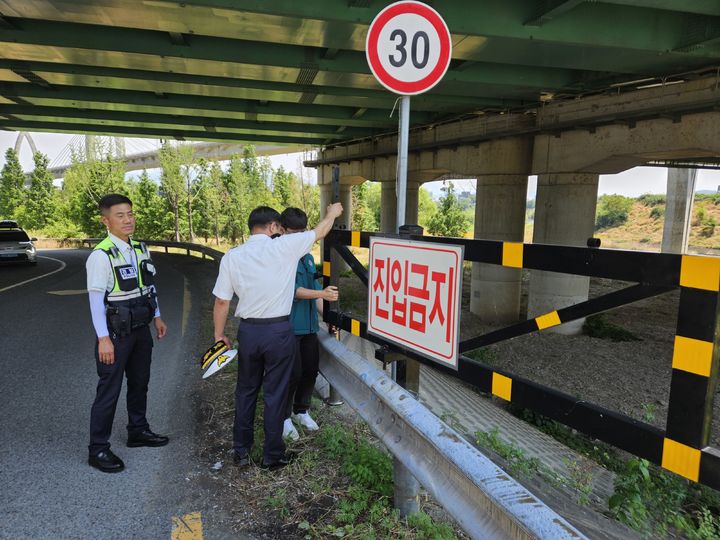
<point>304,318</point>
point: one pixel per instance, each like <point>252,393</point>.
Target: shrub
<point>705,221</point>
<point>657,212</point>
<point>651,199</point>
<point>612,211</point>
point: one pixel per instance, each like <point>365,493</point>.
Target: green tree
<point>154,221</point>
<point>426,207</point>
<point>235,227</point>
<point>173,181</point>
<point>449,220</point>
<point>363,217</point>
<point>85,183</point>
<point>12,185</point>
<point>372,199</point>
<point>311,200</point>
<point>283,189</point>
<point>211,200</point>
<point>612,211</point>
<point>40,201</point>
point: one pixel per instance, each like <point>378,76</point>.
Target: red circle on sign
<point>381,74</point>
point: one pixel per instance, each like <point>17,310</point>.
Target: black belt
<point>266,321</point>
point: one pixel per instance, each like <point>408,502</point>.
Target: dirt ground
<point>631,377</point>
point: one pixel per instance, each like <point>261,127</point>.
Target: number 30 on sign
<point>414,296</point>
<point>408,47</point>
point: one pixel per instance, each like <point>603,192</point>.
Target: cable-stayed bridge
<point>139,154</point>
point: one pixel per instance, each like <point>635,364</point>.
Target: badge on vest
<point>128,272</point>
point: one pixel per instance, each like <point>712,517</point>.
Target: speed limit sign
<point>408,47</point>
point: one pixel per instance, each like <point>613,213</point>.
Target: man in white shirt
<point>261,273</point>
<point>123,302</point>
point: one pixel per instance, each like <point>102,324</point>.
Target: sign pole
<point>401,185</point>
<point>408,49</point>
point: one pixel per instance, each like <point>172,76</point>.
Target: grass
<point>598,326</point>
<point>647,498</point>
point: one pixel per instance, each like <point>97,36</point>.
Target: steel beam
<point>290,111</point>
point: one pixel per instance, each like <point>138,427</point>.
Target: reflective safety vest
<point>130,281</point>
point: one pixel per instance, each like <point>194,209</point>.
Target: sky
<point>631,183</point>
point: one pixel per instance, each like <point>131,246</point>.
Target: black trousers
<point>265,358</point>
<point>133,354</point>
<point>305,371</point>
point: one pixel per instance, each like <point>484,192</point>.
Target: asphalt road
<point>47,385</point>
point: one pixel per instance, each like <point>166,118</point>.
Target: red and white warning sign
<point>408,47</point>
<point>414,296</point>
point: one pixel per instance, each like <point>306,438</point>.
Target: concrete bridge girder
<point>568,163</point>
<point>511,155</point>
<point>615,148</point>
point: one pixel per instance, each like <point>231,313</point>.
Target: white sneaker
<point>306,421</point>
<point>289,431</point>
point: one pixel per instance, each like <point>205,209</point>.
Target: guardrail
<point>484,500</point>
<point>206,252</point>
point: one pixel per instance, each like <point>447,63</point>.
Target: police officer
<point>261,273</point>
<point>304,318</point>
<point>123,302</point>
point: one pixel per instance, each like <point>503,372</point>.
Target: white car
<point>15,245</point>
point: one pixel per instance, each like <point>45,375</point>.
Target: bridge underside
<point>295,73</point>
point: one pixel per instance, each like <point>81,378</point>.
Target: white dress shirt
<point>261,272</point>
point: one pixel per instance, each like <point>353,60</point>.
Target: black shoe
<point>106,461</point>
<point>241,461</point>
<point>146,438</point>
<point>284,461</point>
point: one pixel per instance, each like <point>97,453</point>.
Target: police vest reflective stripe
<point>121,267</point>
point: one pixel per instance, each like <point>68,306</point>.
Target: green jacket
<point>304,315</point>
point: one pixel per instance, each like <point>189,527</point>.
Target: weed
<point>366,510</point>
<point>451,419</point>
<point>648,414</point>
<point>598,327</point>
<point>279,502</point>
<point>518,462</point>
<point>654,501</point>
<point>581,479</point>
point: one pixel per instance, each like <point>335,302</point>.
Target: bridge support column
<point>388,208</point>
<point>499,215</point>
<point>501,167</point>
<point>412,199</point>
<point>678,209</point>
<point>564,214</point>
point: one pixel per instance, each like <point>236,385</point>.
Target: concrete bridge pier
<point>388,205</point>
<point>503,167</point>
<point>564,214</point>
<point>678,210</point>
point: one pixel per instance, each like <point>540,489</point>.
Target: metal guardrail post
<point>406,372</point>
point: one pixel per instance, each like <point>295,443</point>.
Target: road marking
<point>187,527</point>
<point>187,304</point>
<point>62,267</point>
<point>69,292</point>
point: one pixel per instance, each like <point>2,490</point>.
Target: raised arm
<point>333,212</point>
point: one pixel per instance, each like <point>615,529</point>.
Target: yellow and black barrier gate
<point>683,447</point>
